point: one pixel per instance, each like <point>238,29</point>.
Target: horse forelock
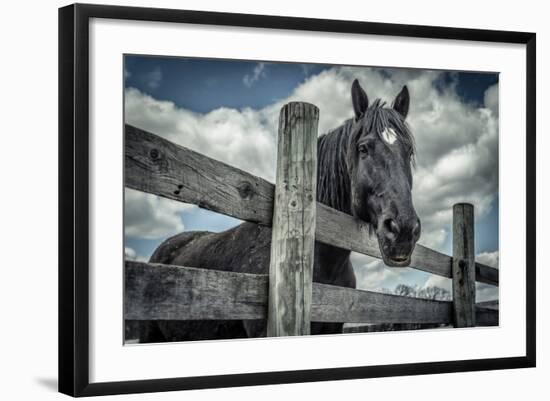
<point>379,119</point>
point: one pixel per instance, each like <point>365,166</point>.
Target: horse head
<point>380,157</point>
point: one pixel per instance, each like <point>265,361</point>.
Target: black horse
<point>364,169</point>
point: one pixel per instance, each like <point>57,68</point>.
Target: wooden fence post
<point>293,235</point>
<point>463,269</point>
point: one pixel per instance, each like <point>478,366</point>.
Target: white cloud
<point>150,216</point>
<point>257,73</point>
<point>154,78</point>
<point>242,138</point>
<point>439,281</point>
<point>488,258</point>
<point>490,99</point>
<point>373,275</point>
<point>129,253</point>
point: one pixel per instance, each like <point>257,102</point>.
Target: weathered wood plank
<point>347,305</point>
<point>488,304</point>
<point>293,233</point>
<point>160,167</point>
<point>463,266</point>
<point>486,316</point>
<point>486,274</point>
<point>164,292</point>
<point>381,327</point>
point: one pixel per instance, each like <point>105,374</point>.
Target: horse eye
<point>363,149</point>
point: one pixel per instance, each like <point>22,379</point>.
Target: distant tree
<point>431,292</point>
<point>405,290</point>
<point>435,293</point>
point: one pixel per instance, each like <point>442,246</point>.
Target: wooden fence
<point>287,297</point>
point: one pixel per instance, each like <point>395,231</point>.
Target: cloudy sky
<point>228,110</point>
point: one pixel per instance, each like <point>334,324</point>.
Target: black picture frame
<point>74,201</point>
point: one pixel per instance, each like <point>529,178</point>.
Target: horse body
<point>242,249</point>
<point>360,172</point>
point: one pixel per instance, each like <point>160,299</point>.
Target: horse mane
<point>333,181</point>
<point>334,157</point>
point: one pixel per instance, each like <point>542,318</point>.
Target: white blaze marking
<point>389,135</point>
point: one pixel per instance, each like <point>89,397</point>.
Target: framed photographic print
<point>249,199</point>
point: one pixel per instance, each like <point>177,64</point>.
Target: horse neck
<point>333,190</point>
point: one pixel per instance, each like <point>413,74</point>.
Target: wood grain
<point>488,304</point>
<point>160,167</point>
<point>486,274</point>
<point>486,316</point>
<point>379,327</point>
<point>463,266</point>
<point>164,292</point>
<point>293,233</point>
<point>347,305</point>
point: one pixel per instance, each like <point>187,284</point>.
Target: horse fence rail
<point>166,292</point>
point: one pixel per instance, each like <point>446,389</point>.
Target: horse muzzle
<point>397,239</point>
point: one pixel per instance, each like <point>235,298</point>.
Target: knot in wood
<point>246,191</point>
<point>204,204</point>
<point>154,154</point>
<point>462,264</point>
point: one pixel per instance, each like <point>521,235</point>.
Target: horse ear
<point>401,102</point>
<point>359,99</point>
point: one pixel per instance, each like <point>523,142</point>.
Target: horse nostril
<point>416,229</point>
<point>392,226</point>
